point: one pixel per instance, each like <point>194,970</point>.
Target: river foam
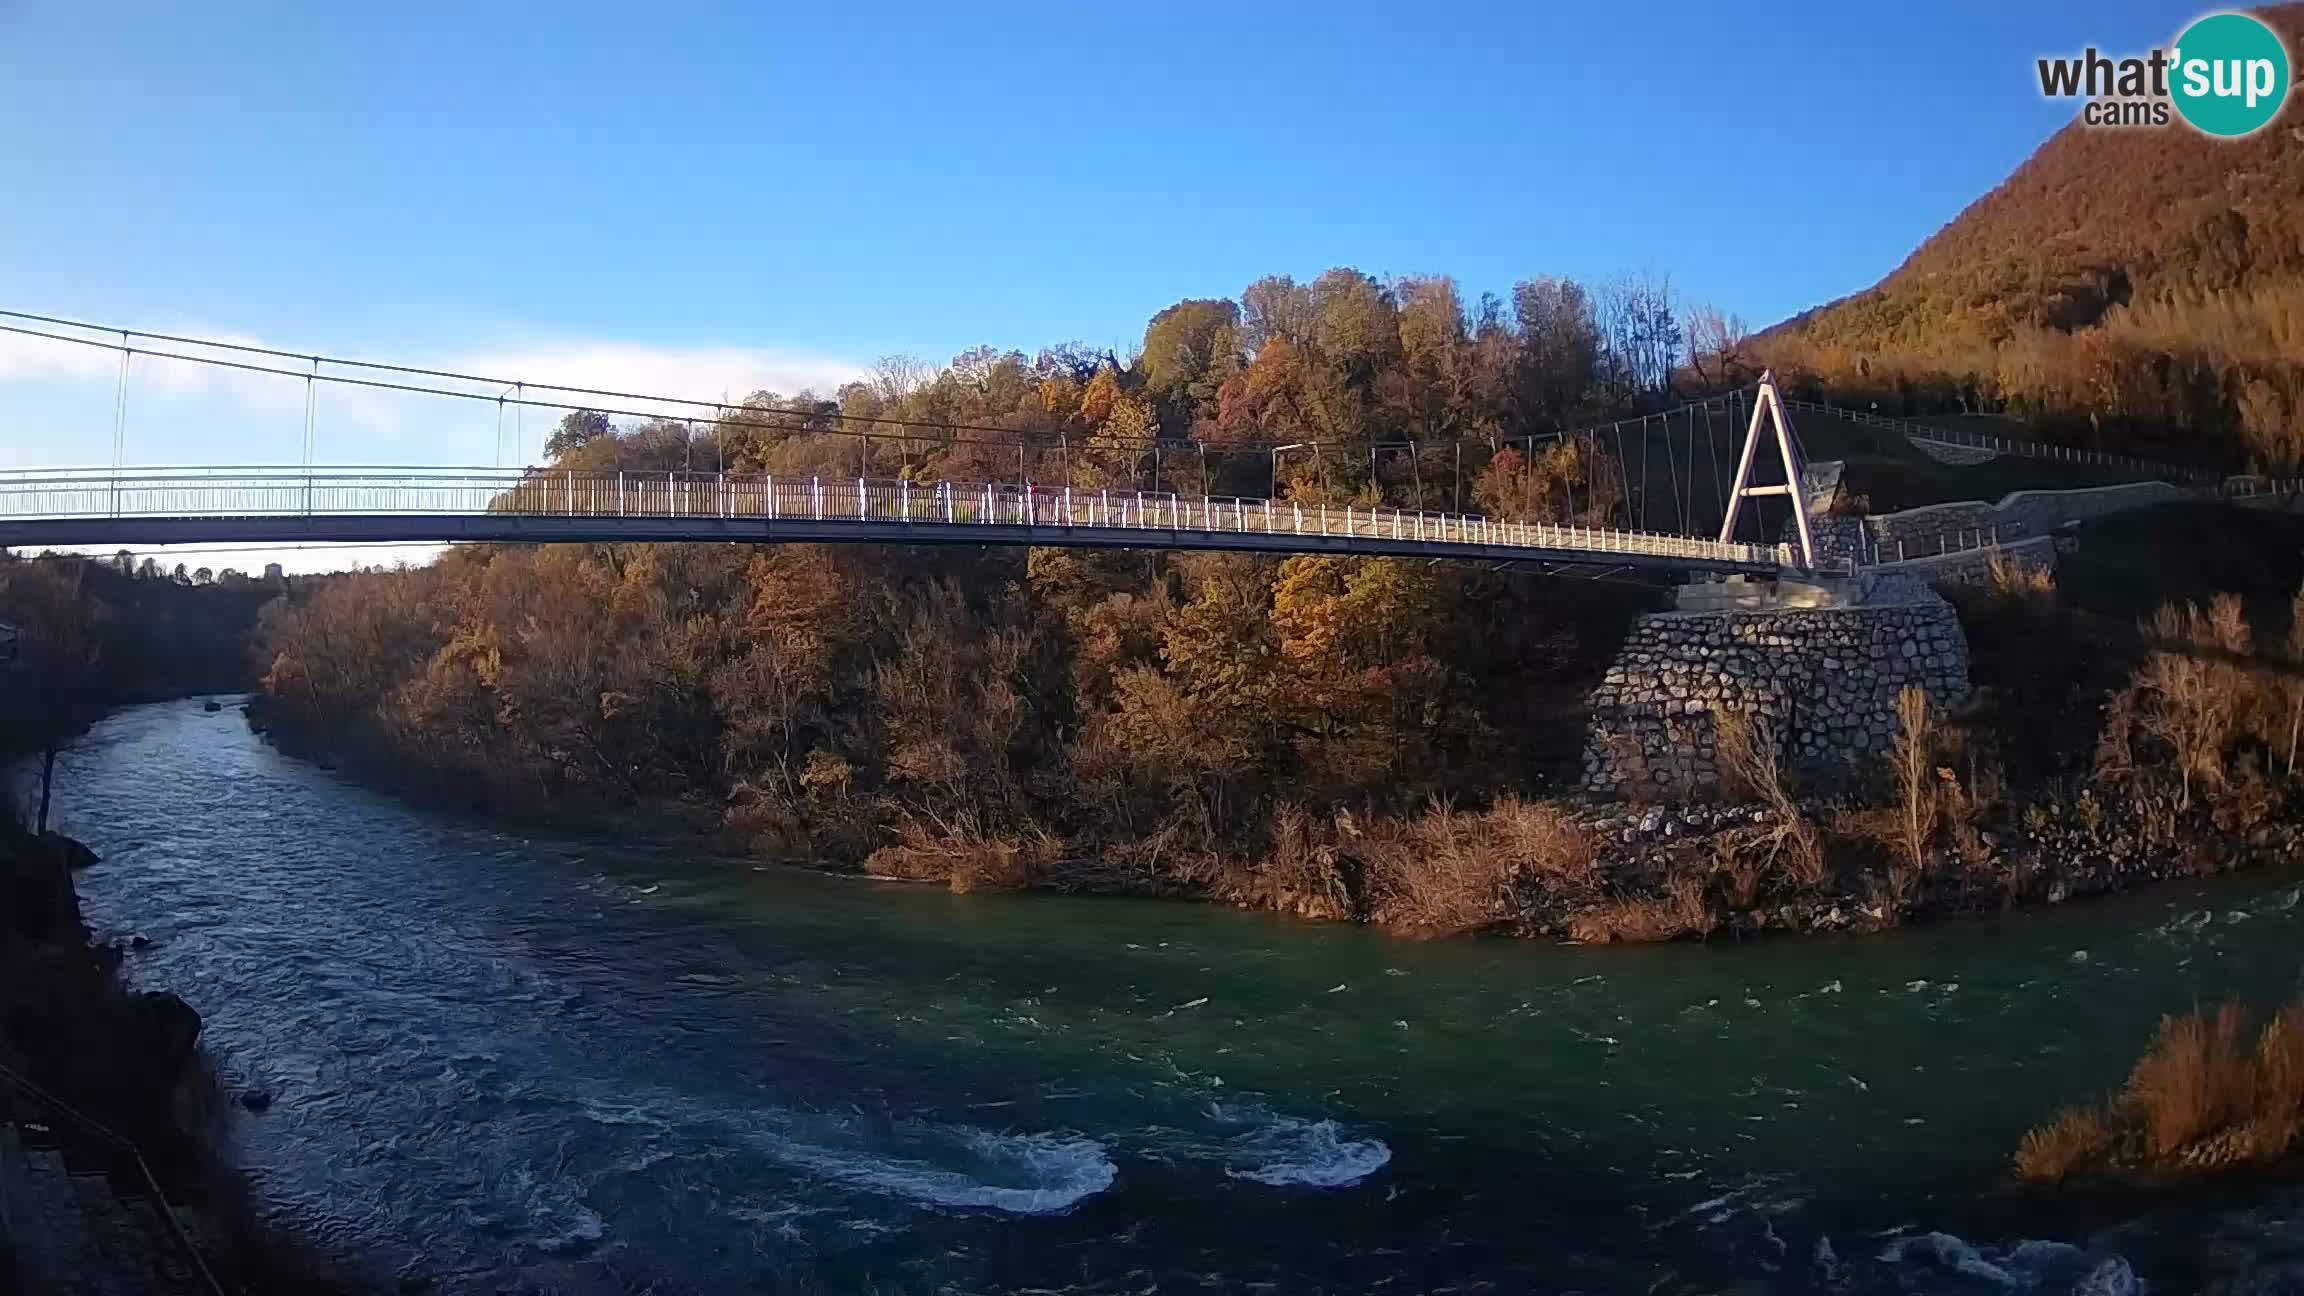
<point>956,1167</point>
<point>1289,1151</point>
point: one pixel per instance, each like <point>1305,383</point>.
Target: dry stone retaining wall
<point>1938,528</point>
<point>1822,681</point>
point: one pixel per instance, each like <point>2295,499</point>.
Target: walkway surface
<point>362,505</point>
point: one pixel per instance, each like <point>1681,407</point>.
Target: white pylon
<point>1795,487</point>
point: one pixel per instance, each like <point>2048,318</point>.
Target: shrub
<point>1543,840</point>
<point>1681,911</point>
<point>2013,578</point>
<point>1448,871</point>
<point>2209,1093</point>
<point>2196,1077</point>
<point>1912,763</point>
<point>964,857</point>
<point>2077,1137</point>
<point>1750,764</point>
<point>1435,874</point>
<point>1301,875</point>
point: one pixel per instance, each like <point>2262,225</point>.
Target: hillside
<point>2139,290</point>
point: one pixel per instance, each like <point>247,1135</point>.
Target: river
<point>510,1061</point>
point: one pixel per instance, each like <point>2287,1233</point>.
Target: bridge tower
<point>1766,406</point>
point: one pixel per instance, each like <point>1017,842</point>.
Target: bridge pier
<point>1817,664</point>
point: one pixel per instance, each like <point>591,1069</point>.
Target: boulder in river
<point>172,1031</point>
<point>212,706</point>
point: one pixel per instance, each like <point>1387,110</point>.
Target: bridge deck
<point>373,506</point>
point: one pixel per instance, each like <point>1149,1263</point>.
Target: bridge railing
<point>260,492</point>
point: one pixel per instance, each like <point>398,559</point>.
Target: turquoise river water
<point>509,1061</point>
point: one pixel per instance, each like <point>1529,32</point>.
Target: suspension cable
<point>1672,466</point>
<point>1623,478</point>
<point>738,414</point>
<point>1646,455</point>
<point>120,407</point>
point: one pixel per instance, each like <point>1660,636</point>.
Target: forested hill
<point>2138,287</point>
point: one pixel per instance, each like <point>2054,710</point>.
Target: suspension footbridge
<point>1663,526</point>
<point>293,505</point>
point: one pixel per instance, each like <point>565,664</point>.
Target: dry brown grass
<point>1301,874</point>
<point>1742,865</point>
<point>1543,840</point>
<point>2280,1062</point>
<point>2014,578</point>
<point>1681,911</point>
<point>2211,1093</point>
<point>2077,1138</point>
<point>1448,871</point>
<point>1435,874</point>
<point>965,858</point>
<point>2196,1077</point>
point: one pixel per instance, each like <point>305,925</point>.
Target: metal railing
<point>125,1147</point>
<point>1943,435</point>
<point>226,493</point>
<point>2250,486</point>
<point>1877,551</point>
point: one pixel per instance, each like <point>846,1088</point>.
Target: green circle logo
<point>2228,74</point>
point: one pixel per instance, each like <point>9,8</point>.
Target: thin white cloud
<point>709,373</point>
<point>25,358</point>
<point>57,405</point>
<point>191,406</point>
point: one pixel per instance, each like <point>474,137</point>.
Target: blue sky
<point>752,195</point>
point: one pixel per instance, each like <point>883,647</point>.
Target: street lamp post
<point>1276,452</point>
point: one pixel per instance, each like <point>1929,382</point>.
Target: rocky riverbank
<point>114,1175</point>
<point>1580,867</point>
<point>2052,855</point>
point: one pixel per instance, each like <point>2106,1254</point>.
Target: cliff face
<point>90,1076</point>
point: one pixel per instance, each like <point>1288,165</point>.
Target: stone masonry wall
<point>1822,680</point>
<point>2020,515</point>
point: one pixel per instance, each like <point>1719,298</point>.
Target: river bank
<point>116,1173</point>
<point>819,1085</point>
<point>1583,869</point>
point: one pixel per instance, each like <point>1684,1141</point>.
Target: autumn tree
<point>59,654</point>
<point>1189,350</point>
<point>1718,345</point>
<point>1559,356</point>
<point>577,428</point>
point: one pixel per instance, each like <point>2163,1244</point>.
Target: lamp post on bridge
<point>1277,451</point>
